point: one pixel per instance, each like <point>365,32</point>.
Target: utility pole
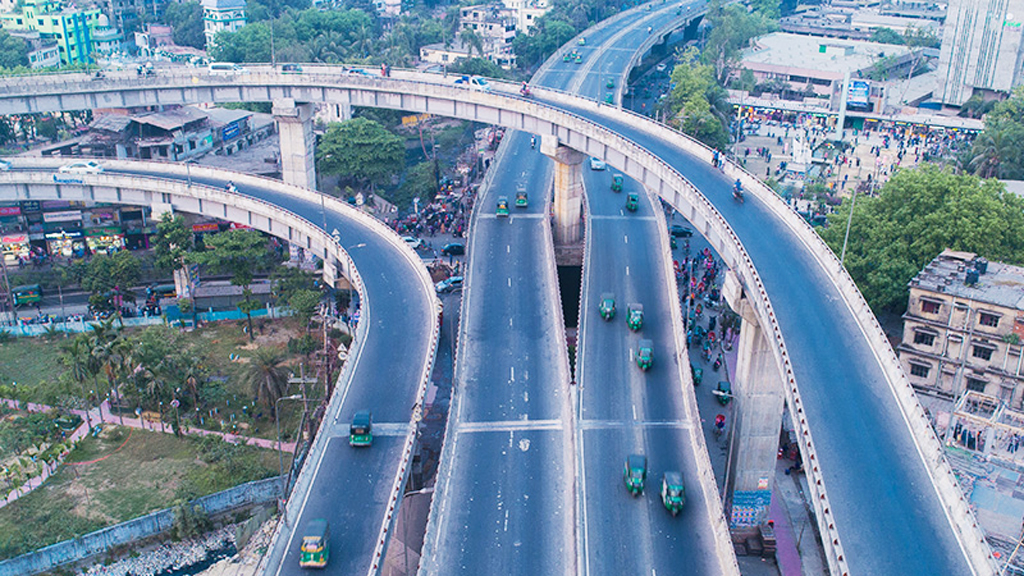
<point>8,296</point>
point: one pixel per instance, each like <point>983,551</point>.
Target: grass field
<point>121,475</point>
<point>31,363</point>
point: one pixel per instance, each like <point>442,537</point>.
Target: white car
<point>474,82</point>
<point>412,242</point>
<point>81,167</point>
<point>597,164</point>
<point>4,165</point>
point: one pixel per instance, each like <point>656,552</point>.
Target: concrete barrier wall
<point>153,524</point>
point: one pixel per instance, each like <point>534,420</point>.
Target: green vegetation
<point>13,51</point>
<point>698,105</point>
<point>150,471</point>
<point>187,20</point>
<point>919,213</point>
<point>998,152</point>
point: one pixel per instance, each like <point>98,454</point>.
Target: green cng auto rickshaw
<point>360,433</point>
<point>635,316</point>
<point>673,495</point>
<point>645,355</point>
<point>607,306</point>
<point>617,183</point>
<point>632,201</point>
<point>315,544</point>
<point>502,209</point>
<point>635,473</point>
<point>723,392</point>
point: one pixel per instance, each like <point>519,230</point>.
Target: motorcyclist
<point>525,89</point>
<point>719,424</point>
<point>533,141</point>
<point>231,187</point>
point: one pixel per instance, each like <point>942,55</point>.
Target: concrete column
<point>568,202</point>
<point>757,420</point>
<point>295,128</point>
<point>334,112</point>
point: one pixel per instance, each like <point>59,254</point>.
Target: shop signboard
<point>230,131</point>
<point>14,239</point>
<point>63,234</point>
<point>31,206</point>
<point>237,226</point>
<point>104,231</point>
<point>62,216</point>
<point>10,210</point>
<point>205,227</point>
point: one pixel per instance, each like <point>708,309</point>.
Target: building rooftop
<point>111,122</point>
<point>171,119</point>
<point>223,4</point>
<point>836,55</point>
<point>224,116</point>
<point>1001,284</point>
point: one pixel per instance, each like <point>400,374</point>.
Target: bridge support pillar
<point>568,202</point>
<point>757,419</point>
<point>295,128</point>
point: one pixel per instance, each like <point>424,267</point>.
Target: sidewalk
<point>102,414</point>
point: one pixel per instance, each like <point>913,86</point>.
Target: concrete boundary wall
<point>152,524</point>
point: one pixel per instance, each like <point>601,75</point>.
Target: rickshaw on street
<point>635,473</point>
<point>723,392</point>
<point>607,306</point>
<point>673,494</point>
<point>617,183</point>
<point>697,373</point>
<point>635,316</point>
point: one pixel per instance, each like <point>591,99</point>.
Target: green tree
<point>109,275</point>
<point>999,150</point>
<point>13,51</point>
<point>266,375</point>
<point>238,253</point>
<point>885,35</point>
<point>173,241</point>
<point>250,44</point>
<point>187,20</point>
<point>478,67</point>
<point>919,213</point>
<point>697,104</point>
<point>732,29</point>
<point>362,150</point>
<point>304,304</point>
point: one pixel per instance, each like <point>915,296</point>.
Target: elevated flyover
<point>853,395</point>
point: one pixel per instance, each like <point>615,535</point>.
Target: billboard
<point>859,95</point>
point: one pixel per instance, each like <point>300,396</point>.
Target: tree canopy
<point>998,152</point>
<point>919,213</point>
<point>307,36</point>
<point>13,51</point>
<point>698,105</point>
<point>362,150</point>
<point>187,20</point>
<point>732,29</point>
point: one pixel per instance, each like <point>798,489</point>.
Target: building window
<point>923,338</point>
<point>929,307</point>
<point>987,319</point>
<point>983,352</point>
<point>975,385</point>
<point>919,370</point>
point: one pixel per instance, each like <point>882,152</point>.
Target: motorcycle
<point>231,187</point>
<point>737,192</point>
<point>717,364</point>
<point>524,91</point>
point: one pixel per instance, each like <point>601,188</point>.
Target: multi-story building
<point>222,16</point>
<point>526,12</point>
<point>73,29</point>
<point>42,52</point>
<point>964,327</point>
<point>982,47</point>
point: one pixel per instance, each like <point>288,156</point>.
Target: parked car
<point>677,230</point>
<point>413,242</point>
<point>81,167</point>
<point>454,249</point>
<point>291,69</point>
<point>452,284</point>
<point>597,164</point>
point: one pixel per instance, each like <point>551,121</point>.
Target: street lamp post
<point>277,421</point>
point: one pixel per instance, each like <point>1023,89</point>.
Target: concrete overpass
<point>902,441</point>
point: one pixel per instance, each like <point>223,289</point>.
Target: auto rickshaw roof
<point>361,418</point>
<point>674,479</point>
<point>315,528</point>
<point>607,296</point>
<point>636,462</point>
<point>646,344</point>
<point>636,307</point>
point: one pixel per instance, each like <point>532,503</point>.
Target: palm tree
<point>266,376</point>
<point>989,149</point>
<point>76,355</point>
